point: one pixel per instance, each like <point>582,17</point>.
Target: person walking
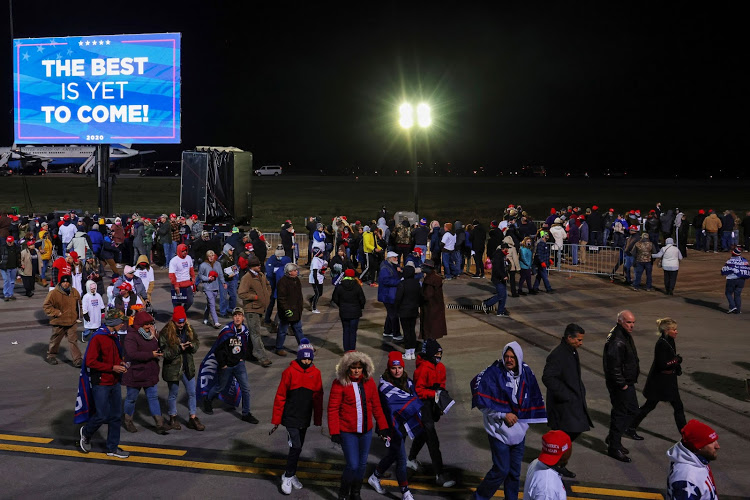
<point>543,475</point>
<point>100,395</point>
<point>508,395</point>
<point>525,260</point>
<point>389,277</point>
<point>211,275</point>
<point>179,343</point>
<point>10,261</point>
<point>541,262</point>
<point>61,307</point>
<point>429,378</point>
<point>352,404</point>
<point>566,395</point>
<point>736,270</point>
<point>350,299</point>
<point>643,252</point>
<point>621,369</point>
<point>317,276</point>
<point>401,408</point>
<point>255,293</point>
<point>92,309</point>
<point>30,267</point>
<point>182,278</point>
<point>299,399</point>
<point>690,475</point>
<point>408,296</point>
<point>142,352</point>
<point>670,256</point>
<point>513,264</point>
<point>499,279</point>
<point>661,384</point>
<point>432,311</point>
<point>289,292</point>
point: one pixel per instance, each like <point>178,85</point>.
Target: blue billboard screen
<point>100,89</point>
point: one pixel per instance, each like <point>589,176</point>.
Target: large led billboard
<point>101,89</point>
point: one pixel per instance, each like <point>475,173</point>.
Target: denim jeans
<point>187,301</point>
<point>152,393</point>
<point>240,373</point>
<point>107,410</point>
<point>281,334</point>
<point>542,275</point>
<point>505,471</point>
<point>574,253</point>
<point>712,237</point>
<point>501,295</point>
<point>9,281</point>
<point>424,251</point>
<point>174,388</point>
<point>350,333</point>
<point>356,448</point>
<point>726,240</point>
<point>210,312</point>
<point>446,256</point>
<point>455,262</point>
<point>639,268</point>
<point>629,260</point>
<point>396,453</point>
<point>170,250</point>
<point>46,263</point>
<point>733,291</point>
<point>228,297</point>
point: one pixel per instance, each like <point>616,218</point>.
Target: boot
<point>174,423</point>
<point>356,491</point>
<point>160,427</point>
<point>344,489</point>
<point>127,422</point>
<point>196,424</point>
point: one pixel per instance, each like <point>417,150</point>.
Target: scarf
<point>85,401</point>
<point>403,408</point>
<point>493,389</point>
<point>209,369</point>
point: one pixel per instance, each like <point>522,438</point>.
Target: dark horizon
<point>644,88</point>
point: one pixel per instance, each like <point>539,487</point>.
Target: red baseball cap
<point>66,217</point>
<point>249,247</point>
<point>74,255</point>
<point>554,444</point>
<point>194,217</point>
<point>10,239</point>
<point>173,215</point>
<point>126,286</point>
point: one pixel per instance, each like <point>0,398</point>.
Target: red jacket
<point>101,356</point>
<point>426,376</point>
<point>346,411</point>
<point>299,397</point>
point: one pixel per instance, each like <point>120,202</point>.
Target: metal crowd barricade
<point>585,259</point>
<point>300,239</point>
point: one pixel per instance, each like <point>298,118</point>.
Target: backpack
<point>403,235</point>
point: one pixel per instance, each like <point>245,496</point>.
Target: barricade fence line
<point>585,259</point>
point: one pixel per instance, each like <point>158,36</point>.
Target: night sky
<point>638,86</point>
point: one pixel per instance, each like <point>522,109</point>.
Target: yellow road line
<point>282,461</point>
<point>27,439</point>
<point>155,451</point>
<point>617,493</point>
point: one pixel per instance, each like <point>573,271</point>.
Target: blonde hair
<point>665,324</point>
<point>210,254</point>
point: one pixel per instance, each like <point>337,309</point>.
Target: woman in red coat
<point>354,400</point>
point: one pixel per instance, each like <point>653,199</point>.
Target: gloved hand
<point>336,438</point>
<point>544,264</point>
<point>288,313</point>
<point>384,433</point>
<point>679,359</point>
<point>86,316</point>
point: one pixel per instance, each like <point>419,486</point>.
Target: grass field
<point>290,197</point>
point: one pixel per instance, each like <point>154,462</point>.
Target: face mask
<point>92,291</point>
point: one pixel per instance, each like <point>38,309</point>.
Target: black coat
<point>594,220</point>
<point>621,365</point>
<point>495,238</point>
<point>566,394</point>
<point>408,295</point>
<point>350,298</point>
<point>478,239</point>
<point>661,384</point>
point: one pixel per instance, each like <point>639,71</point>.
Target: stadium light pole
<point>408,117</point>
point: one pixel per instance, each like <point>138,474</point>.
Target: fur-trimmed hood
<point>350,358</point>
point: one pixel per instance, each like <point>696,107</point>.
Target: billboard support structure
<point>105,180</point>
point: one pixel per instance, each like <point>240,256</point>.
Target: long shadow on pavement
<point>729,386</point>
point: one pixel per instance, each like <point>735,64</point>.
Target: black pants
<point>317,293</point>
<point>28,285</point>
<point>525,278</point>
<point>479,264</point>
<point>390,326</point>
<point>624,410</point>
<point>670,280</point>
<point>369,269</point>
<point>296,440</point>
<point>512,280</point>
<point>429,436</point>
<point>408,326</point>
<point>650,404</point>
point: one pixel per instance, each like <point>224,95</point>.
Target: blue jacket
<point>275,270</point>
<point>525,257</point>
<point>388,280</point>
<point>97,241</point>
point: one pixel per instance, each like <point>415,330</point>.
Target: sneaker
<point>217,325</point>
<point>387,334</point>
<point>118,453</point>
<point>286,484</point>
<point>52,361</point>
<point>250,418</point>
<point>13,297</point>
<point>732,310</point>
<point>374,481</point>
<point>295,482</point>
<point>315,311</point>
<point>406,495</point>
<point>413,464</point>
<point>533,292</point>
<point>485,308</point>
<point>398,338</point>
<point>476,276</point>
<point>205,321</point>
<point>503,314</point>
<point>84,443</point>
<point>444,481</point>
<point>266,363</point>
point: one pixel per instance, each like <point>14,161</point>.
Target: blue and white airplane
<point>83,156</point>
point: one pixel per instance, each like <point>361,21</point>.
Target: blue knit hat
<point>305,350</point>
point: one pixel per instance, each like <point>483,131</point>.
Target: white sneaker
<point>413,464</point>
<point>205,321</point>
<point>295,483</point>
<point>375,483</point>
<point>286,484</point>
<point>118,453</point>
<point>315,311</point>
<point>85,443</point>
<point>407,495</point>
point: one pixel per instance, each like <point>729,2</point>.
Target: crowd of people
<point>408,262</point>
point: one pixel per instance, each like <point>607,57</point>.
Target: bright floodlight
<point>406,115</point>
<point>423,115</point>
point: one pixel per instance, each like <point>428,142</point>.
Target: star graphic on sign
<point>70,51</point>
<point>26,56</point>
<point>107,42</point>
<point>39,48</point>
<point>59,56</point>
<point>101,42</point>
<point>80,43</point>
<point>18,42</point>
<point>52,41</point>
<point>87,42</point>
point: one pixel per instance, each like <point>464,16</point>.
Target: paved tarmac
<point>233,459</point>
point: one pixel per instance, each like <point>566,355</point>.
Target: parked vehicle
<point>274,170</point>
